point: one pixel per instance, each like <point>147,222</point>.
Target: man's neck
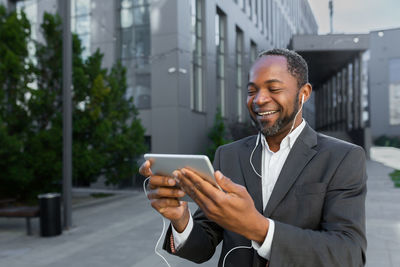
<point>274,141</point>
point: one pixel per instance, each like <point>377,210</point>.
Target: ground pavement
<point>122,231</point>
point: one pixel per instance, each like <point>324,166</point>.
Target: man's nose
<point>262,97</point>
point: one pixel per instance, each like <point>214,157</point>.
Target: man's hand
<point>233,209</point>
<point>164,196</point>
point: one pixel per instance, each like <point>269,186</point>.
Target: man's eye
<point>275,89</point>
<point>251,92</point>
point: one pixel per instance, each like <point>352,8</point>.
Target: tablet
<point>166,164</point>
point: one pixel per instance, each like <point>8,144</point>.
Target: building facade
<point>384,82</point>
<point>356,81</point>
<point>185,58</point>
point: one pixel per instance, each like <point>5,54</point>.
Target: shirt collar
<point>289,139</point>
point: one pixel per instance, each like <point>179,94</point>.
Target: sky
<point>357,16</point>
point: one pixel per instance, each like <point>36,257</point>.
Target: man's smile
<point>270,112</point>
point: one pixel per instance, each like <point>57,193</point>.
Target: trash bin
<point>50,214</point>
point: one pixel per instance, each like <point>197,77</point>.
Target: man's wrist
<point>259,230</point>
<point>180,238</point>
<point>180,224</point>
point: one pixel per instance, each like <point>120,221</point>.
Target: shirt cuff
<point>180,238</point>
<point>265,249</point>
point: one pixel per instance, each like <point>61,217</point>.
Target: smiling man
<point>291,196</point>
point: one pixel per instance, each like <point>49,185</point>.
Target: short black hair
<point>296,64</point>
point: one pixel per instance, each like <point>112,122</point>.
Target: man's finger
<point>165,192</point>
<point>158,181</point>
<point>226,184</point>
<point>197,188</point>
<point>145,169</point>
<point>165,202</point>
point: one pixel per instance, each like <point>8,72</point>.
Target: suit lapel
<point>251,179</point>
<point>300,154</point>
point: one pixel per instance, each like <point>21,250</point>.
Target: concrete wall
<point>383,47</point>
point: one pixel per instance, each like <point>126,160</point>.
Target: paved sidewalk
<point>120,232</point>
<point>389,156</point>
<point>123,230</point>
<point>383,217</point>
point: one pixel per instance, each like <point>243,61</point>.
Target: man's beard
<point>279,123</point>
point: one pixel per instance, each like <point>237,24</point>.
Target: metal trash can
<point>50,214</point>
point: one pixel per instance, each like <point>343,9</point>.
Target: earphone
<point>294,120</point>
<point>252,152</point>
<point>163,230</point>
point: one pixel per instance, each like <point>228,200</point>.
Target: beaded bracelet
<point>171,239</point>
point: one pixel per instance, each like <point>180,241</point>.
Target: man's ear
<point>305,92</point>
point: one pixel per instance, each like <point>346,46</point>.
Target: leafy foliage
<point>217,135</point>
<point>384,140</point>
<point>15,74</point>
<point>395,176</point>
<point>107,135</point>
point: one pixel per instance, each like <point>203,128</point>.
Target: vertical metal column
<point>349,78</point>
<point>326,105</point>
<point>344,99</point>
<point>317,108</point>
<point>67,113</point>
<point>334,103</point>
<point>330,105</point>
<point>339,110</point>
<point>360,91</point>
<point>356,93</point>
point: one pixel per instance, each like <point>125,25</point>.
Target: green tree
<point>217,135</point>
<point>15,75</point>
<point>107,134</point>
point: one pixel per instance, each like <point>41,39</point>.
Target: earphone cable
<point>226,255</point>
<point>251,155</point>
<point>163,229</point>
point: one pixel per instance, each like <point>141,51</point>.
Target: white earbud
<point>302,99</point>
<point>251,155</point>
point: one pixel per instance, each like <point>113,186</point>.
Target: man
<point>297,198</point>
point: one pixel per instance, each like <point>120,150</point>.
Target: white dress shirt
<point>272,163</point>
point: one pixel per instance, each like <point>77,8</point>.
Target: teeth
<point>266,113</point>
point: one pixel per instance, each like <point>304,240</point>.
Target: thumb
<point>145,168</point>
<point>225,183</point>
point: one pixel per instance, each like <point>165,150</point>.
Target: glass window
<point>196,72</point>
<point>81,7</point>
<point>239,73</point>
<point>242,4</point>
<point>30,7</point>
<point>142,92</point>
<point>253,52</point>
<point>141,15</point>
<point>80,23</point>
<point>220,41</point>
<point>249,9</point>
<point>350,89</point>
<point>126,18</point>
<point>136,50</point>
<point>364,88</point>
<point>256,10</point>
<point>262,14</point>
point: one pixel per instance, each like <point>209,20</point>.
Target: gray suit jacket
<point>318,205</point>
